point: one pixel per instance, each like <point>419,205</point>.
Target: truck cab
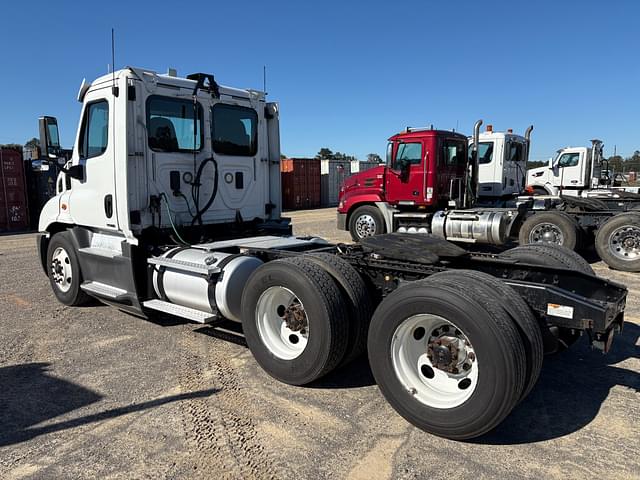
<point>425,170</point>
<point>573,171</point>
<point>502,165</point>
<point>158,159</point>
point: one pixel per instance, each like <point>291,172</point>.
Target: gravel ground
<point>95,393</point>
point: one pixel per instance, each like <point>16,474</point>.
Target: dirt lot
<point>96,393</point>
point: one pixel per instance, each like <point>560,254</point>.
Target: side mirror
<point>75,171</point>
<point>404,168</point>
<point>551,163</point>
<point>49,137</point>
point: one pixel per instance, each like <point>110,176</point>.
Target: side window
<point>409,153</point>
<point>485,152</point>
<point>234,130</point>
<point>173,125</point>
<point>95,130</point>
<point>453,153</point>
<point>569,160</point>
<point>515,152</point>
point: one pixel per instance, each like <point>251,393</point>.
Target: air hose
<point>195,190</point>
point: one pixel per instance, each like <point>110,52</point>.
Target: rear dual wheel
<point>304,316</point>
<point>618,242</point>
<point>449,361</point>
<point>552,228</point>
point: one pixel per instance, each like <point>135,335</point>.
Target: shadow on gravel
<point>29,396</point>
<point>570,392</point>
<point>355,374</point>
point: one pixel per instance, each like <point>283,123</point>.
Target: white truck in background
<point>578,171</point>
<point>502,165</point>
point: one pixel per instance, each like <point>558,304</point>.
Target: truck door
<point>450,172</point>
<point>92,200</point>
<point>241,152</point>
<point>568,170</point>
<point>406,177</point>
<point>514,168</point>
<point>489,176</point>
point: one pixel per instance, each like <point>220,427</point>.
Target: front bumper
<point>341,221</point>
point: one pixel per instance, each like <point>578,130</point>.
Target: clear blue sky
<point>348,74</point>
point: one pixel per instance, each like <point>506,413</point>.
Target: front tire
<point>449,363</point>
<point>618,242</point>
<point>64,271</point>
<point>366,221</point>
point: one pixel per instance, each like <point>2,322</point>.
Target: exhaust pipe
<point>527,140</point>
<point>471,187</point>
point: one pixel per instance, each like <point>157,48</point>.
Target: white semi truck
<point>580,171</point>
<point>171,203</point>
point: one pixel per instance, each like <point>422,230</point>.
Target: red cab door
<point>450,170</point>
<point>405,182</point>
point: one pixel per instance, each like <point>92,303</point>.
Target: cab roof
<point>426,132</point>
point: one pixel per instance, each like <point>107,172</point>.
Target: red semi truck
<point>468,190</point>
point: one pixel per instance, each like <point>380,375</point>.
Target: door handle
<point>108,205</point>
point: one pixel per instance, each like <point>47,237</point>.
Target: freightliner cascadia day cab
<point>431,185</point>
<point>170,205</point>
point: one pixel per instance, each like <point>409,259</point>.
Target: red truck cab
<point>425,169</point>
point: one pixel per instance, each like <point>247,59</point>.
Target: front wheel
<point>445,361</point>
<point>618,242</point>
<point>64,271</point>
<point>366,221</point>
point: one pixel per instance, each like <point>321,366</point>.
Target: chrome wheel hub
<point>624,243</point>
<point>546,233</point>
<point>365,226</point>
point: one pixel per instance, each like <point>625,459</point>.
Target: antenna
<point>114,89</point>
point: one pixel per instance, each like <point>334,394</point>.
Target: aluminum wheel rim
<point>425,381</point>
<point>365,226</point>
<point>546,233</point>
<point>624,243</point>
<point>61,271</point>
<point>274,311</point>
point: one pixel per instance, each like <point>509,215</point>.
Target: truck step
<point>103,290</point>
<point>192,267</point>
<point>99,251</point>
<point>179,311</point>
<point>412,215</point>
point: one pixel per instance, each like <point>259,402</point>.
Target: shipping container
<point>358,166</point>
<point>333,173</point>
<point>14,214</point>
<point>300,183</point>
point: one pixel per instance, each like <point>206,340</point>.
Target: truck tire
<point>357,298</point>
<point>366,221</point>
<point>294,320</point>
<point>549,255</point>
<point>479,283</point>
<point>618,242</point>
<point>425,320</point>
<point>550,227</point>
<point>64,271</point>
